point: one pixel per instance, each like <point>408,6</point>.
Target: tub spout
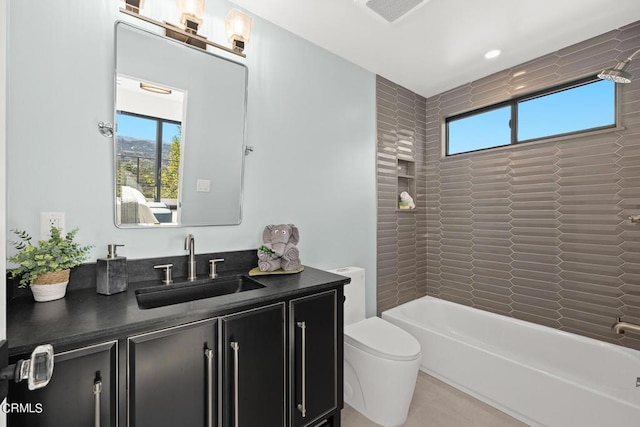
<point>621,327</point>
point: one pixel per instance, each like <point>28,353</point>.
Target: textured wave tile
<point>540,231</point>
<point>402,236</point>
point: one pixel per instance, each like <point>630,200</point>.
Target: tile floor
<point>438,404</point>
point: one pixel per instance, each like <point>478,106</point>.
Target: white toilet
<point>381,360</point>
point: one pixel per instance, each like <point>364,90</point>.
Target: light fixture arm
<point>629,59</point>
<point>184,33</point>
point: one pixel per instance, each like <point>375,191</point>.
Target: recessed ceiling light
<point>492,53</point>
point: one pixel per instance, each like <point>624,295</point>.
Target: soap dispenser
<point>111,272</point>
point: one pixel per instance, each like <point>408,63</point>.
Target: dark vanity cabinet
<point>82,391</point>
<point>253,366</point>
<point>314,350</point>
<point>172,376</point>
<point>270,363</point>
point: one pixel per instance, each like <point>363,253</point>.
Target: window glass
<point>148,156</point>
<point>478,131</point>
<point>170,168</point>
<point>581,106</point>
<point>136,153</point>
<point>575,109</point>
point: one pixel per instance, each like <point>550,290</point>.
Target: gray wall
<point>402,240</point>
<point>540,231</point>
<point>311,119</point>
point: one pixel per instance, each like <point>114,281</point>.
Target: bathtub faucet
<point>621,327</point>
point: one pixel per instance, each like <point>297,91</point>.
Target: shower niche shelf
<point>405,180</point>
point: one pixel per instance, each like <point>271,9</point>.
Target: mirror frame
<point>244,148</point>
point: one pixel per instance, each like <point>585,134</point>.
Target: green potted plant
<point>46,265</point>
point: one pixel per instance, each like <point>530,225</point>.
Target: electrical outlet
<point>47,219</point>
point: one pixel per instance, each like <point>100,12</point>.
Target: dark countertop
<point>83,317</point>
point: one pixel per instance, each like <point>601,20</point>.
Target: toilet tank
<point>354,295</point>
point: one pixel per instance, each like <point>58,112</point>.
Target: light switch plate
<point>203,185</point>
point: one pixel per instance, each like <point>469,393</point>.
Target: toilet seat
<point>382,339</point>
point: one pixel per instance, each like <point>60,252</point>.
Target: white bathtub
<point>539,375</point>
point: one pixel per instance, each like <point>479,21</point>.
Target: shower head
<point>619,73</point>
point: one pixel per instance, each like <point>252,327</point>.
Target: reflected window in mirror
<point>148,152</point>
<point>148,162</point>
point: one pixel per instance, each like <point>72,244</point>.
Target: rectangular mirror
<point>179,140</point>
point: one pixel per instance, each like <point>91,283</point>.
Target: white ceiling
<point>441,45</point>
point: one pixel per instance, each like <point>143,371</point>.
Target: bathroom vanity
<point>265,357</point>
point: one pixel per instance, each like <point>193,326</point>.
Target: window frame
<point>513,122</point>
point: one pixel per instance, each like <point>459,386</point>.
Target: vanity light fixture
<point>191,13</point>
<point>619,73</point>
<point>133,5</point>
<point>238,27</point>
<point>155,89</point>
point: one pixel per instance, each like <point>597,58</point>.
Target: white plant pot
<point>43,293</point>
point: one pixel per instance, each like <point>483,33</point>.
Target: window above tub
<point>581,106</point>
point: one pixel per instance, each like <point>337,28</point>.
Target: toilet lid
<point>383,339</point>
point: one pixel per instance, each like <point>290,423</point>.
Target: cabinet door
<point>171,377</point>
<point>253,347</point>
<point>313,331</point>
<point>82,391</point>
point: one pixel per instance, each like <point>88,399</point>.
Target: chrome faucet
<point>621,327</point>
<point>189,245</point>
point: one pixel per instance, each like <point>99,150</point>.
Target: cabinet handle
<point>302,407</point>
<point>97,392</point>
<point>209,355</point>
<point>236,367</point>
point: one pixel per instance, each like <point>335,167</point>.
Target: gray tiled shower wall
<point>402,235</point>
<point>540,231</point>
